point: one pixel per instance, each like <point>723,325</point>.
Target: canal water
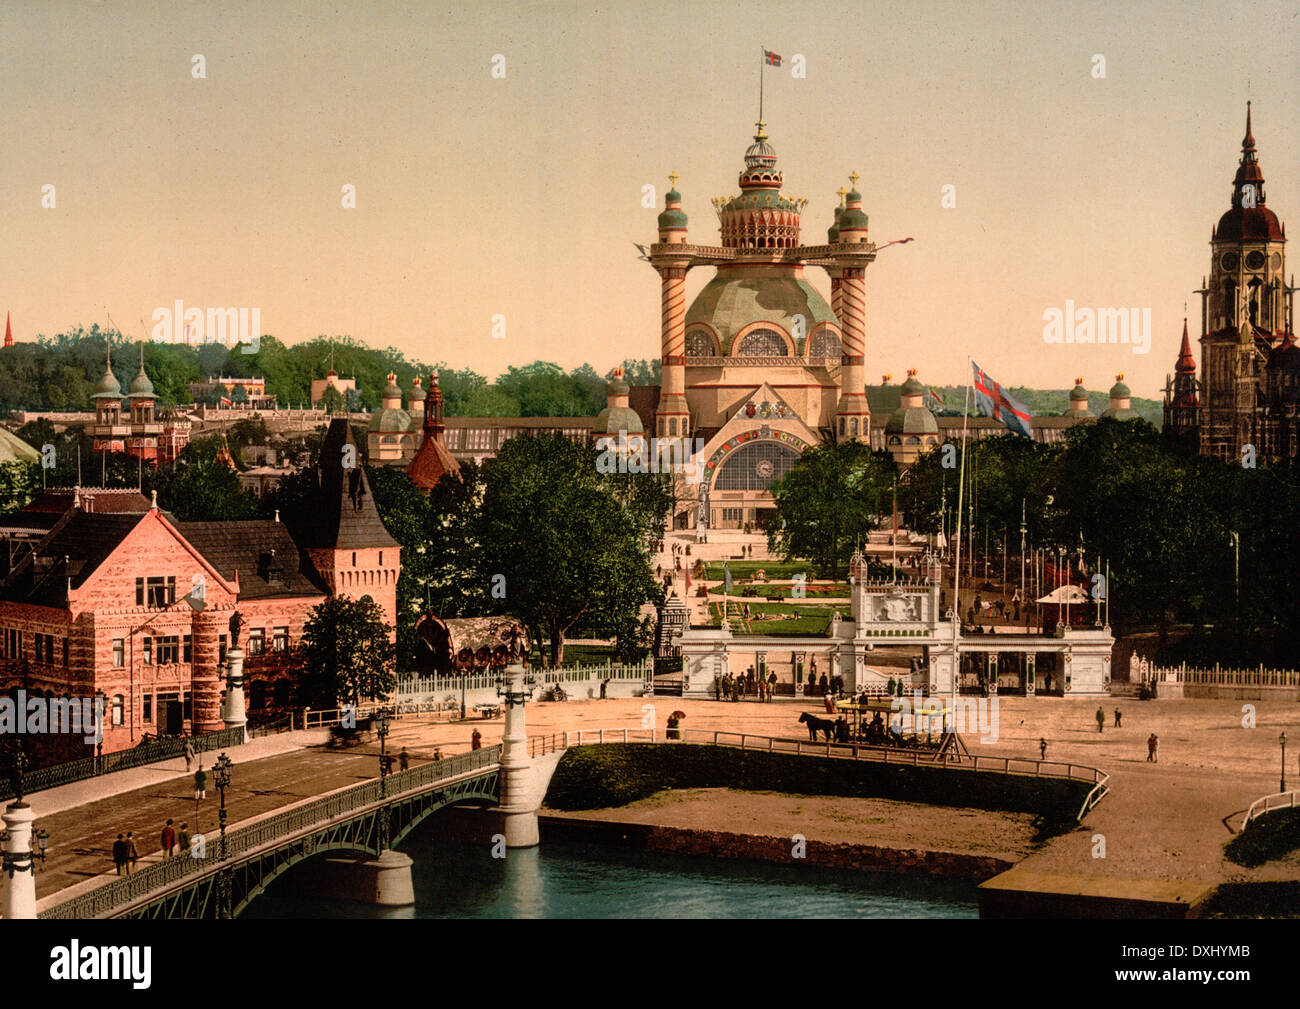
<point>576,880</point>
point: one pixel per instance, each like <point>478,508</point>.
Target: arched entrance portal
<point>740,494</point>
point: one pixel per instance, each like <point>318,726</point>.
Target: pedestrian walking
<point>200,784</point>
<point>168,839</point>
<point>1042,749</point>
<point>476,740</point>
<point>403,759</point>
<point>189,755</point>
<point>1153,749</point>
<point>119,854</point>
<point>183,839</point>
<point>771,685</point>
<point>132,855</point>
<point>1101,720</point>
<point>1118,718</point>
<point>717,688</point>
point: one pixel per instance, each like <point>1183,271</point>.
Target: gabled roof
<point>347,518</point>
<point>73,549</point>
<point>249,550</point>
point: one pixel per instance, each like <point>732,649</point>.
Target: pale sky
<point>522,196</point>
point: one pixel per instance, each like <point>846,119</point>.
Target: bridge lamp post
<point>221,774</point>
<point>1282,739</point>
<point>383,718</point>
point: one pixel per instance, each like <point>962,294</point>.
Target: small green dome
<point>108,387</point>
<point>392,389</point>
<point>389,420</point>
<point>833,232</point>
<point>852,219</point>
<point>911,387</point>
<point>1119,391</point>
<point>418,392</point>
<point>617,387</point>
<point>141,387</point>
<point>672,196</point>
<point>911,420</point>
<point>672,219</point>
<point>1078,393</point>
<point>614,419</point>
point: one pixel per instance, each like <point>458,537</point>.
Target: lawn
<point>785,590</point>
<point>798,620</point>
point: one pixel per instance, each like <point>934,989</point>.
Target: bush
<point>1266,838</point>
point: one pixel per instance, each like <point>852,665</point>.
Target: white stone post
<point>235,715</point>
<point>519,802</point>
<point>20,883</point>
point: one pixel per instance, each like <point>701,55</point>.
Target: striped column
<point>672,398</point>
<point>853,319</point>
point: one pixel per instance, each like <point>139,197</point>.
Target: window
<point>187,648</point>
<point>187,706</point>
<point>257,641</point>
<point>148,708</point>
<point>65,651</point>
<point>280,640</point>
<point>146,651</point>
<point>167,650</point>
<point>119,651</point>
<point>761,343</point>
<point>221,648</point>
<point>755,465</point>
<point>119,708</point>
<point>354,558</point>
<point>44,647</point>
<point>732,514</point>
<point>699,344</point>
<point>13,643</point>
<point>155,591</point>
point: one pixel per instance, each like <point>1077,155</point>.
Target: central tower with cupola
<point>759,367</point>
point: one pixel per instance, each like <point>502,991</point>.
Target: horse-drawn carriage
<point>362,730</point>
<point>889,724</point>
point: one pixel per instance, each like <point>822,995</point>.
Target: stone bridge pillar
<point>20,881</point>
<point>519,799</point>
<point>235,715</point>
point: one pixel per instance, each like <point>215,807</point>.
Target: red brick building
<point>96,589</point>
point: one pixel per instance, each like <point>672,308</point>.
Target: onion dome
<point>833,232</point>
<point>911,387</point>
<point>617,415</point>
<point>1121,407</point>
<point>1078,392</point>
<point>392,390</point>
<point>108,387</point>
<point>760,217</point>
<point>672,218</point>
<point>417,391</point>
<point>853,220</point>
<point>141,387</point>
<point>1245,222</point>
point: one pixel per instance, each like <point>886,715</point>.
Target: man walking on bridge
<point>1101,720</point>
<point>168,839</point>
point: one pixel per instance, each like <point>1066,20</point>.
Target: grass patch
<point>1266,838</point>
<point>799,620</point>
<point>811,591</point>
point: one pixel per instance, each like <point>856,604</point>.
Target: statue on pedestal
<point>236,626</point>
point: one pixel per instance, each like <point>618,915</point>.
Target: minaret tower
<point>852,417</point>
<point>672,420</point>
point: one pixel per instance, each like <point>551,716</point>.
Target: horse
<point>816,725</point>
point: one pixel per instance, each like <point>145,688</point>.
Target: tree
<point>197,488</point>
<point>347,654</point>
<point>828,503</point>
<point>331,400</point>
<point>558,538</point>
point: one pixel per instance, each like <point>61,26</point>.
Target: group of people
<point>827,686</point>
<point>174,843</point>
<point>733,688</point>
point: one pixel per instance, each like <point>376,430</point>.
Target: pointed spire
<point>1248,142</point>
<point>1185,361</point>
<point>9,333</point>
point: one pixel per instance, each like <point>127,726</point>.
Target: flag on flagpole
<point>226,401</point>
<point>937,397</point>
<point>772,59</point>
<point>993,401</point>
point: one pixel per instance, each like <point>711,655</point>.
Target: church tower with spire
<point>1246,320</point>
<point>1182,397</point>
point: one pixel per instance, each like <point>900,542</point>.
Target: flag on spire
<point>772,59</point>
<point>993,401</point>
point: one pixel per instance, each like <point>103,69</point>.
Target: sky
<point>520,195</point>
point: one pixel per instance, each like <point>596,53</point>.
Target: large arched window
<point>825,344</point>
<point>755,465</point>
<point>699,344</point>
<point>761,343</point>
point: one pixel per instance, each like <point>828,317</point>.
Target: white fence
<point>1226,683</point>
<point>581,680</point>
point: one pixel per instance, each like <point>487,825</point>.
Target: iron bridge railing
<point>243,840</point>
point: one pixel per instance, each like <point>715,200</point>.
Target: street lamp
<point>382,721</point>
<point>1282,739</point>
<point>221,775</point>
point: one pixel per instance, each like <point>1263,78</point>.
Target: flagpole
<point>956,571</point>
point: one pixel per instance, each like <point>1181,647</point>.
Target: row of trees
<point>60,373</point>
<point>1188,539</point>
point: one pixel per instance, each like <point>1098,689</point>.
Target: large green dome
<point>389,420</point>
<point>911,420</point>
<point>614,419</point>
<point>739,297</point>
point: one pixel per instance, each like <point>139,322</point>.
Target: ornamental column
<point>519,798</point>
<point>20,889</point>
<point>205,686</point>
<point>672,419</point>
<point>852,416</point>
